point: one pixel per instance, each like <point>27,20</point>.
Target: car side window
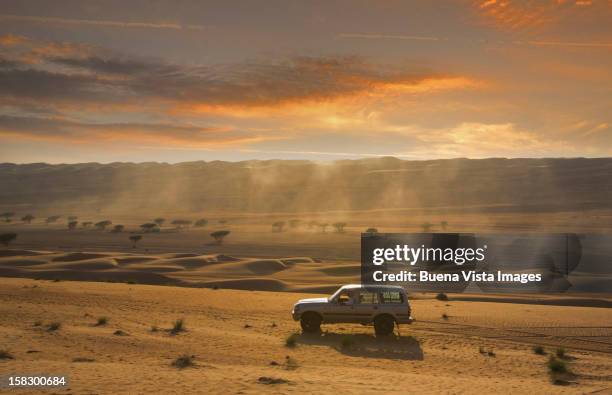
<point>345,298</point>
<point>368,297</point>
<point>392,297</point>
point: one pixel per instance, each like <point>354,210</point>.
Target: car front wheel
<point>311,322</point>
<point>383,325</point>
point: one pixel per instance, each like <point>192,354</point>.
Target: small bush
<point>184,361</point>
<point>560,352</point>
<point>491,353</point>
<point>4,354</point>
<point>102,321</point>
<point>291,340</point>
<point>154,328</point>
<point>247,326</point>
<point>37,323</point>
<point>54,326</point>
<point>481,350</point>
<point>444,316</point>
<point>442,296</point>
<point>81,359</point>
<point>539,350</point>
<point>178,326</point>
<point>119,332</point>
<point>556,365</point>
<point>271,380</point>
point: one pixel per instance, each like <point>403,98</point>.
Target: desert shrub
<point>54,326</point>
<point>291,340</point>
<point>481,350</point>
<point>148,227</point>
<point>4,354</point>
<point>426,226</point>
<point>51,219</point>
<point>444,316</point>
<point>102,224</point>
<point>118,229</point>
<point>7,238</point>
<point>102,321</point>
<point>539,350</point>
<point>37,323</point>
<point>86,224</point>
<point>219,235</point>
<point>72,225</point>
<point>119,332</point>
<point>83,359</point>
<point>560,352</point>
<point>135,239</point>
<point>442,296</point>
<point>323,227</point>
<point>178,326</point>
<point>556,365</point>
<point>491,353</point>
<point>271,380</point>
<point>154,328</point>
<point>201,222</point>
<point>159,221</point>
<point>339,226</point>
<point>184,361</point>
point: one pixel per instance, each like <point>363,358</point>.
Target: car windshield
<point>335,295</point>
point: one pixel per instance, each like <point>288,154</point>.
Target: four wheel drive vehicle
<point>382,305</point>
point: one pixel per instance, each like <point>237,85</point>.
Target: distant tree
<point>52,219</point>
<point>149,227</point>
<point>323,227</point>
<point>135,239</point>
<point>339,226</point>
<point>443,225</point>
<point>102,224</point>
<point>7,216</point>
<point>294,223</point>
<point>27,218</point>
<point>159,221</point>
<point>219,235</point>
<point>278,226</point>
<point>371,231</point>
<point>181,222</point>
<point>426,227</point>
<point>86,224</point>
<point>72,225</point>
<point>118,229</point>
<point>201,222</point>
<point>72,218</point>
<point>7,238</point>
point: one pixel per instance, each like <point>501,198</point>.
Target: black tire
<point>310,322</point>
<point>383,325</point>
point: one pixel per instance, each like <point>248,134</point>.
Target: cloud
<point>58,129</point>
<point>388,37</point>
<point>87,75</point>
<point>99,23</point>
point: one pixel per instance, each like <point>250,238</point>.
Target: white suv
<point>383,305</point>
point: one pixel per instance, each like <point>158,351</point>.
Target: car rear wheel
<point>383,325</point>
<point>311,322</point>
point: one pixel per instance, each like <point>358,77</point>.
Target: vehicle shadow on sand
<point>366,345</point>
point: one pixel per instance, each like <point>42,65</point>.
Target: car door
<point>341,309</point>
<point>366,306</point>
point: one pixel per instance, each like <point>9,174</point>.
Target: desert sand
<point>237,340</point>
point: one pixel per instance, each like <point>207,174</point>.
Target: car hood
<point>312,300</point>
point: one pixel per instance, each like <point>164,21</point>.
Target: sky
<point>173,81</point>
